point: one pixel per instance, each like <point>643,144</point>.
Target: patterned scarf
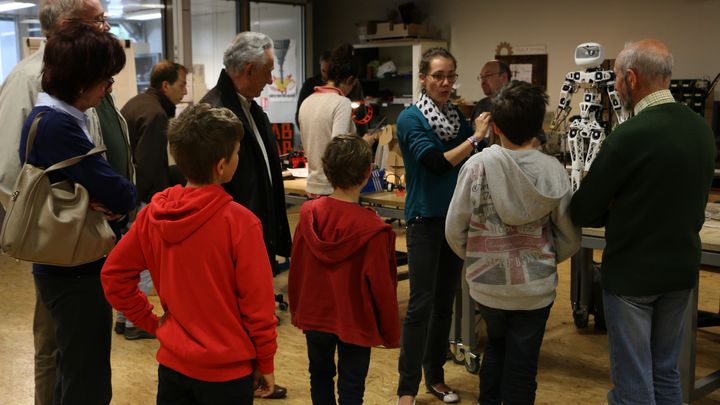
<point>445,123</point>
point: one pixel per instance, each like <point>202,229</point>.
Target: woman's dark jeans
<point>434,275</point>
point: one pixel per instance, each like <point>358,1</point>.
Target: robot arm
<point>566,91</point>
<point>620,114</point>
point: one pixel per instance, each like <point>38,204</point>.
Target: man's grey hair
<point>647,62</point>
<point>52,12</point>
<point>247,47</point>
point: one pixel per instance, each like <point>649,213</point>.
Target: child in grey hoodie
<point>509,220</point>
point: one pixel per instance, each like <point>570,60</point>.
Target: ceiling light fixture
<point>13,5</point>
<point>145,16</point>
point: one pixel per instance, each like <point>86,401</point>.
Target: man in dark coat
<point>147,115</point>
<point>257,183</point>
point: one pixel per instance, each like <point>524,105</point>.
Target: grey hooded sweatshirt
<point>509,220</point>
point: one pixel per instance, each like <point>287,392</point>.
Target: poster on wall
<point>529,68</point>
<point>522,71</point>
<point>284,85</point>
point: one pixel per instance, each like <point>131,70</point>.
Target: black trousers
<point>352,367</point>
<point>178,389</point>
<point>434,276</point>
<point>83,328</point>
<point>510,362</point>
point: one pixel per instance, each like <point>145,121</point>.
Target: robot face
<point>589,54</point>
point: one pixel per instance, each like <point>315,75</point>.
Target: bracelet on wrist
<point>473,141</point>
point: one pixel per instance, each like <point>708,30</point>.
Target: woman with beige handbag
<point>80,60</point>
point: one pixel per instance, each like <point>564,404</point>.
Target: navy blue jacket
<point>59,138</point>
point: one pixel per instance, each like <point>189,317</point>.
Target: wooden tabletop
<point>709,234</point>
<point>385,198</point>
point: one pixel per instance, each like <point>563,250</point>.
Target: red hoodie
<point>343,276</point>
<point>208,263</point>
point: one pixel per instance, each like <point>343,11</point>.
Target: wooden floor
<point>573,364</point>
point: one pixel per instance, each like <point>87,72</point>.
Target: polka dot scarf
<point>445,123</point>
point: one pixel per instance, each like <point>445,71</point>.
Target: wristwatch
<point>473,141</point>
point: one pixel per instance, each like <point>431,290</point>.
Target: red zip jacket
<point>343,276</point>
<point>208,263</point>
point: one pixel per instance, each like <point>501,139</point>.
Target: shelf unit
<point>404,85</point>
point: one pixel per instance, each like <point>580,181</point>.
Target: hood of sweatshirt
<point>337,229</point>
<point>519,195</point>
<point>177,212</point>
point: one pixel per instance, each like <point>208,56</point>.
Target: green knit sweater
<point>648,187</point>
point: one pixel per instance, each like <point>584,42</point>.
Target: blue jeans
<point>434,276</point>
<point>509,365</point>
<point>352,366</point>
<point>644,339</point>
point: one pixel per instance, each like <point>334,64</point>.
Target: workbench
<point>693,388</point>
<point>387,204</point>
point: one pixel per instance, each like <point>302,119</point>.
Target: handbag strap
<point>65,163</point>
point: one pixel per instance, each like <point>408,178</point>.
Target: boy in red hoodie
<point>217,335</point>
<point>342,282</point>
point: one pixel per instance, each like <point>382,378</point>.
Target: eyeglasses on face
<point>487,75</point>
<point>100,20</point>
<point>108,83</point>
<point>439,77</point>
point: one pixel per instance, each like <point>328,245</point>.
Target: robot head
<point>589,55</point>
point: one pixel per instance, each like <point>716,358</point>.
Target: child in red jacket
<point>217,336</point>
<point>342,282</point>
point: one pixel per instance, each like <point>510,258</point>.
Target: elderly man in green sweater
<point>648,187</point>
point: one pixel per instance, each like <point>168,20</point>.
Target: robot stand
<point>463,330</point>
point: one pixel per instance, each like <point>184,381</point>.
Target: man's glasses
<point>485,76</point>
<point>108,83</point>
<point>100,20</point>
<point>438,77</point>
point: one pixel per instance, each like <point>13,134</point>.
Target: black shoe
<point>119,328</point>
<point>279,392</point>
<point>449,397</point>
<point>136,333</point>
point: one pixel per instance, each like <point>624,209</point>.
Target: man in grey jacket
<point>509,220</point>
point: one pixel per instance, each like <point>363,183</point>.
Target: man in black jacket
<point>257,183</point>
<point>147,115</point>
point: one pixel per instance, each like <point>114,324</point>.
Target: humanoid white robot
<point>586,134</point>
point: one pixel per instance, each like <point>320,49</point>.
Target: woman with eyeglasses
<point>78,64</point>
<point>435,139</point>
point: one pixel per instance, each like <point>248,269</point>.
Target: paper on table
<point>300,172</point>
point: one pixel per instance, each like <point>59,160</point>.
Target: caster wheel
<point>472,363</point>
<point>283,306</point>
<point>458,355</point>
<point>581,318</point>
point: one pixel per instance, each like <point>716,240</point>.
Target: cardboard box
<point>390,30</point>
<point>366,29</point>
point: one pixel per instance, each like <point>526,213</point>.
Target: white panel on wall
<point>213,27</point>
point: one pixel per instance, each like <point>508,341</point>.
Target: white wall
<point>690,28</point>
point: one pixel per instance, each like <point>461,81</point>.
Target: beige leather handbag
<point>52,223</point>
